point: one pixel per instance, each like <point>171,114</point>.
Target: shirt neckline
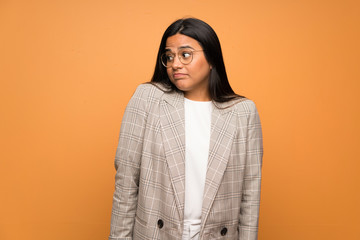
<point>189,100</point>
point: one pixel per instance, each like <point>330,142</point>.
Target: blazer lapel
<point>223,127</point>
<point>172,120</point>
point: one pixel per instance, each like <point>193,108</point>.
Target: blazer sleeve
<point>127,165</point>
<point>250,201</point>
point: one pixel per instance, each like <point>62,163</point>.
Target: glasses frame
<point>180,58</point>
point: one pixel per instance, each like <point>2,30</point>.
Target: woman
<point>190,150</point>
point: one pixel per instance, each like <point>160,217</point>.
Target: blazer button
<point>223,231</point>
<point>160,223</point>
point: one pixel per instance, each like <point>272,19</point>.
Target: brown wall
<point>68,68</point>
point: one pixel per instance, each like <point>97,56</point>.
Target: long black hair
<point>219,87</point>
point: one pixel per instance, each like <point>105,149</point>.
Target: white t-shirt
<point>197,141</point>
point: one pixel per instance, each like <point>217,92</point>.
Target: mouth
<point>179,75</point>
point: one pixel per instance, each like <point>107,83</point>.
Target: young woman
<point>190,150</point>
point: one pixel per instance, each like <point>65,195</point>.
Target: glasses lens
<point>186,56</point>
<point>167,59</point>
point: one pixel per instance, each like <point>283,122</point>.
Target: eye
<point>186,54</point>
<point>169,57</point>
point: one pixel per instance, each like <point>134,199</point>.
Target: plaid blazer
<point>148,201</point>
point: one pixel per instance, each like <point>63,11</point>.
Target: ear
<point>210,67</point>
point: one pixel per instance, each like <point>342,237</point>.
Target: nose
<point>176,64</point>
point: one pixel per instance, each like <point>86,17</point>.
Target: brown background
<point>68,69</point>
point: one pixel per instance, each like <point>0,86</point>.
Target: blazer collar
<point>174,98</point>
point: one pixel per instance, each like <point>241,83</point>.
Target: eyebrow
<point>182,47</point>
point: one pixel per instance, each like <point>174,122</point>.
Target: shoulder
<point>148,93</point>
<point>146,96</point>
<point>245,106</point>
<point>246,111</point>
<point>146,90</point>
<point>238,106</point>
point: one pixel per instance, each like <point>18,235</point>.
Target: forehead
<point>179,40</point>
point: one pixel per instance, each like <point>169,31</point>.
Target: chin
<point>182,88</point>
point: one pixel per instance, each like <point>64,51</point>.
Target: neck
<point>201,97</point>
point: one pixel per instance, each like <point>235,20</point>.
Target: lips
<point>179,75</point>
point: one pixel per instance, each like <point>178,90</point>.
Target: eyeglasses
<point>185,56</point>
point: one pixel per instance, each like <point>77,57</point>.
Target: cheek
<point>169,72</point>
<point>202,71</point>
<point>201,68</point>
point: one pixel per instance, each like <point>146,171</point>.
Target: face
<point>192,78</point>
